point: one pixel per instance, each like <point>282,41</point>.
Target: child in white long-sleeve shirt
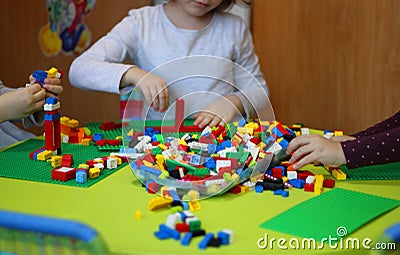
<point>154,36</point>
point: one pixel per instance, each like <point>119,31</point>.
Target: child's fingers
<point>38,105</point>
<point>39,96</point>
<point>55,90</point>
<point>164,99</point>
<point>202,120</point>
<point>155,98</point>
<point>304,161</point>
<point>300,152</point>
<point>297,142</point>
<point>52,81</point>
<point>215,121</point>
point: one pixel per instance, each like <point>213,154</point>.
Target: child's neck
<point>181,19</point>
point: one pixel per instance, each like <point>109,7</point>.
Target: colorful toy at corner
<point>66,30</point>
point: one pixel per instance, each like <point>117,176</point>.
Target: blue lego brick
<point>285,193</point>
<point>185,205</point>
<point>224,237</point>
<point>211,148</point>
<point>297,183</point>
<point>39,76</point>
<point>186,239</point>
<point>276,131</point>
<point>242,122</point>
<point>278,192</point>
<point>51,100</point>
<point>204,242</point>
<point>195,159</point>
<point>173,233</point>
<point>162,235</point>
<point>209,163</point>
<point>51,117</point>
<point>150,170</point>
<point>259,188</point>
<point>98,137</point>
<point>284,143</point>
<point>174,195</point>
<point>81,176</point>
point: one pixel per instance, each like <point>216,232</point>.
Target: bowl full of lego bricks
<point>201,163</point>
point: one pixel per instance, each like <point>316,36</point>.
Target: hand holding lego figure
<point>306,149</point>
<point>52,86</point>
<point>153,87</point>
<point>22,102</point>
<point>220,112</point>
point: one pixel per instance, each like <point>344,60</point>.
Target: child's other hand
<point>51,85</point>
<point>306,149</point>
<point>23,102</point>
<point>341,138</point>
<point>218,113</point>
<point>153,87</point>
<point>155,92</point>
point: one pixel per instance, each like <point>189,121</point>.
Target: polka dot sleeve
<point>389,123</point>
<point>379,148</point>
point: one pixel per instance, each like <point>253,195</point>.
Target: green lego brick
<point>171,164</point>
<point>22,167</point>
<point>322,216</point>
<point>376,172</point>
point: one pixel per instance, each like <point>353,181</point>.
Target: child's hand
<point>218,113</point>
<point>155,92</point>
<point>341,138</point>
<point>23,102</point>
<point>307,149</point>
<point>153,87</point>
<point>51,85</point>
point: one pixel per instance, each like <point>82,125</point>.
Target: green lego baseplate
<point>335,213</point>
<point>376,172</point>
<point>15,162</point>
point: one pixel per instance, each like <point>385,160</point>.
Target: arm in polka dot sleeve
<point>389,123</point>
<point>378,148</point>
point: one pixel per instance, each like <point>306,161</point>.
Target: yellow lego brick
<point>55,161</point>
<point>119,160</point>
<point>339,175</point>
<point>64,120</point>
<point>338,133</point>
<point>85,141</point>
<point>182,142</point>
<point>194,195</point>
<point>285,179</point>
<point>94,172</point>
<point>162,146</point>
<point>195,136</point>
<point>52,72</point>
<point>244,188</point>
<point>261,154</point>
<point>119,137</point>
<point>318,190</point>
<point>131,132</point>
<point>44,155</point>
<point>73,123</point>
<point>147,163</point>
<point>194,205</point>
<point>138,215</point>
<point>159,202</point>
<point>241,130</point>
<point>83,166</point>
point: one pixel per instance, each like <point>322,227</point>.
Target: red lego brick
<point>329,183</point>
<point>67,160</point>
<point>302,175</point>
<point>182,227</point>
<point>63,173</point>
<point>309,187</point>
<point>235,190</point>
